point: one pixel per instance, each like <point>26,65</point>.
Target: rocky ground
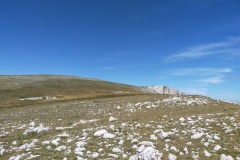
<point>135,127</point>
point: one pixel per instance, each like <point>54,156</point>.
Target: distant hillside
<point>49,82</point>
<point>13,88</point>
<point>19,90</point>
<point>160,90</point>
<point>19,81</point>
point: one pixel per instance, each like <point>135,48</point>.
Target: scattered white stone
<point>28,146</point>
<point>95,155</point>
<point>148,107</point>
<point>64,135</point>
<point>37,98</point>
<point>100,132</point>
<point>2,151</point>
<point>206,144</point>
<point>134,141</point>
<point>224,157</point>
<point>207,154</point>
<point>141,148</point>
<point>112,119</point>
<point>153,137</point>
<point>79,151</point>
<point>84,121</point>
<point>62,128</point>
<point>197,135</point>
<point>76,124</point>
<point>217,147</point>
<point>108,135</point>
<point>55,141</point>
<point>116,150</point>
<point>120,142</point>
<point>112,127</point>
<point>38,129</point>
<point>159,126</point>
<point>32,156</point>
<point>60,148</point>
<point>81,143</point>
<point>172,157</point>
<point>217,138</point>
<point>45,142</point>
<point>211,141</point>
<point>185,150</point>
<point>124,124</point>
<point>146,153</point>
<point>32,124</point>
<point>173,148</point>
<point>181,119</point>
<point>80,158</point>
<point>134,147</point>
<point>166,146</point>
<point>18,157</point>
<point>14,143</point>
<point>124,156</point>
<point>165,134</point>
<point>189,143</point>
<point>112,155</point>
<point>146,143</point>
<point>195,156</point>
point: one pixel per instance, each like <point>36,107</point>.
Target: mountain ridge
<point>160,90</point>
<point>21,80</point>
<point>17,81</point>
<point>14,88</point>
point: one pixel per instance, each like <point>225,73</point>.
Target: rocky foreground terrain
<point>134,127</point>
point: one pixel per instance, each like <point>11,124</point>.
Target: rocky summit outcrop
<point>160,90</point>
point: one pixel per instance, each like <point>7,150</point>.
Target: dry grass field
<point>65,88</point>
<point>160,126</point>
<point>128,126</point>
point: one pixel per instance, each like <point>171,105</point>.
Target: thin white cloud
<point>230,46</point>
<point>201,71</point>
<point>108,68</point>
<point>213,80</point>
<point>203,75</point>
<point>226,70</point>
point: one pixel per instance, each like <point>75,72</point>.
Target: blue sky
<point>190,45</point>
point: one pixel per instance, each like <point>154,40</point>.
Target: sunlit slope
<point>129,128</point>
<point>13,88</point>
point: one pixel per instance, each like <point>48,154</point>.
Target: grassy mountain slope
<point>12,88</point>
